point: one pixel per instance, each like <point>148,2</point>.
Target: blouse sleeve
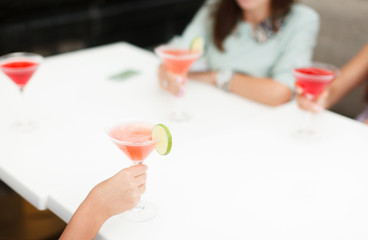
<point>298,49</point>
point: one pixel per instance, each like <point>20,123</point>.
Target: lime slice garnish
<point>163,146</point>
<point>197,45</point>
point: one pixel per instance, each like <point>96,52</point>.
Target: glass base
<point>24,126</point>
<point>179,116</point>
<point>305,134</point>
<point>143,212</point>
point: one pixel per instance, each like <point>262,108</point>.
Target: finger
<point>141,189</point>
<point>173,85</point>
<point>299,90</point>
<point>161,77</point>
<point>141,179</point>
<point>137,170</point>
<point>181,91</point>
<point>305,104</point>
<point>321,101</point>
<point>168,81</point>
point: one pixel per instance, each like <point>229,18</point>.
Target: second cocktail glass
<point>178,61</point>
<point>20,67</point>
<point>313,80</point>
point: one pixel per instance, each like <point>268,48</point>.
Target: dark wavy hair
<point>227,13</point>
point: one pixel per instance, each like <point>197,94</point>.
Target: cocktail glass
<point>20,67</point>
<point>178,61</point>
<point>313,80</point>
<point>134,139</point>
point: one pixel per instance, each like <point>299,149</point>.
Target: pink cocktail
<point>20,67</point>
<point>178,61</point>
<point>19,71</point>
<point>313,80</point>
<point>133,139</point>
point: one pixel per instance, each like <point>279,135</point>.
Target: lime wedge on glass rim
<point>161,132</point>
<point>197,45</point>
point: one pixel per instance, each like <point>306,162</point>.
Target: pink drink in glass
<point>19,71</point>
<point>178,61</point>
<point>313,80</point>
<point>133,139</point>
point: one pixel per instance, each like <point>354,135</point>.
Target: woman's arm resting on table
<point>115,195</point>
<point>263,90</point>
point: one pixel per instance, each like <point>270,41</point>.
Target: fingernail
<point>299,90</point>
<point>317,108</point>
<point>180,80</point>
<point>181,92</point>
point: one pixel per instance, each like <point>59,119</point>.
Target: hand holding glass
<point>137,140</point>
<point>178,61</point>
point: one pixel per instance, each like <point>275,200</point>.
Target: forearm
<point>352,74</point>
<point>86,221</point>
<point>263,90</point>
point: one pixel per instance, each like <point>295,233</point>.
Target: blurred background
<point>52,27</point>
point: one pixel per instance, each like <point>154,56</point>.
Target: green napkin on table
<point>124,75</point>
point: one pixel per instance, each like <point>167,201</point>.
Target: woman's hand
<point>115,195</point>
<point>170,82</point>
<point>315,105</point>
<point>121,192</point>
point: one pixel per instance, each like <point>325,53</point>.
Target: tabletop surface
<point>235,172</point>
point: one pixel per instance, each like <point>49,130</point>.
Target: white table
<point>72,99</point>
<point>235,171</point>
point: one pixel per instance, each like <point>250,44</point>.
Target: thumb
<point>299,90</point>
<point>321,101</point>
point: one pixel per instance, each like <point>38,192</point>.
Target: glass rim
<point>335,70</point>
<point>158,50</point>
<point>11,57</point>
<point>110,126</point>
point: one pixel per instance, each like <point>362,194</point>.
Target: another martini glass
<point>134,139</point>
<point>313,80</point>
<point>20,67</point>
<point>178,61</point>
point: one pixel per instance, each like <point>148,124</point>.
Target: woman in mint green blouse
<point>251,47</point>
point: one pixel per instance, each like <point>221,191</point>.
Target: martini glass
<point>134,140</point>
<point>178,61</point>
<point>313,80</point>
<point>20,67</point>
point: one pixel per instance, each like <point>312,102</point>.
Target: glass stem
<point>22,113</point>
<point>139,206</point>
<point>307,123</point>
<point>178,112</point>
<point>307,127</point>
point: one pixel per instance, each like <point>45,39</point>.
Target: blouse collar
<point>265,30</point>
